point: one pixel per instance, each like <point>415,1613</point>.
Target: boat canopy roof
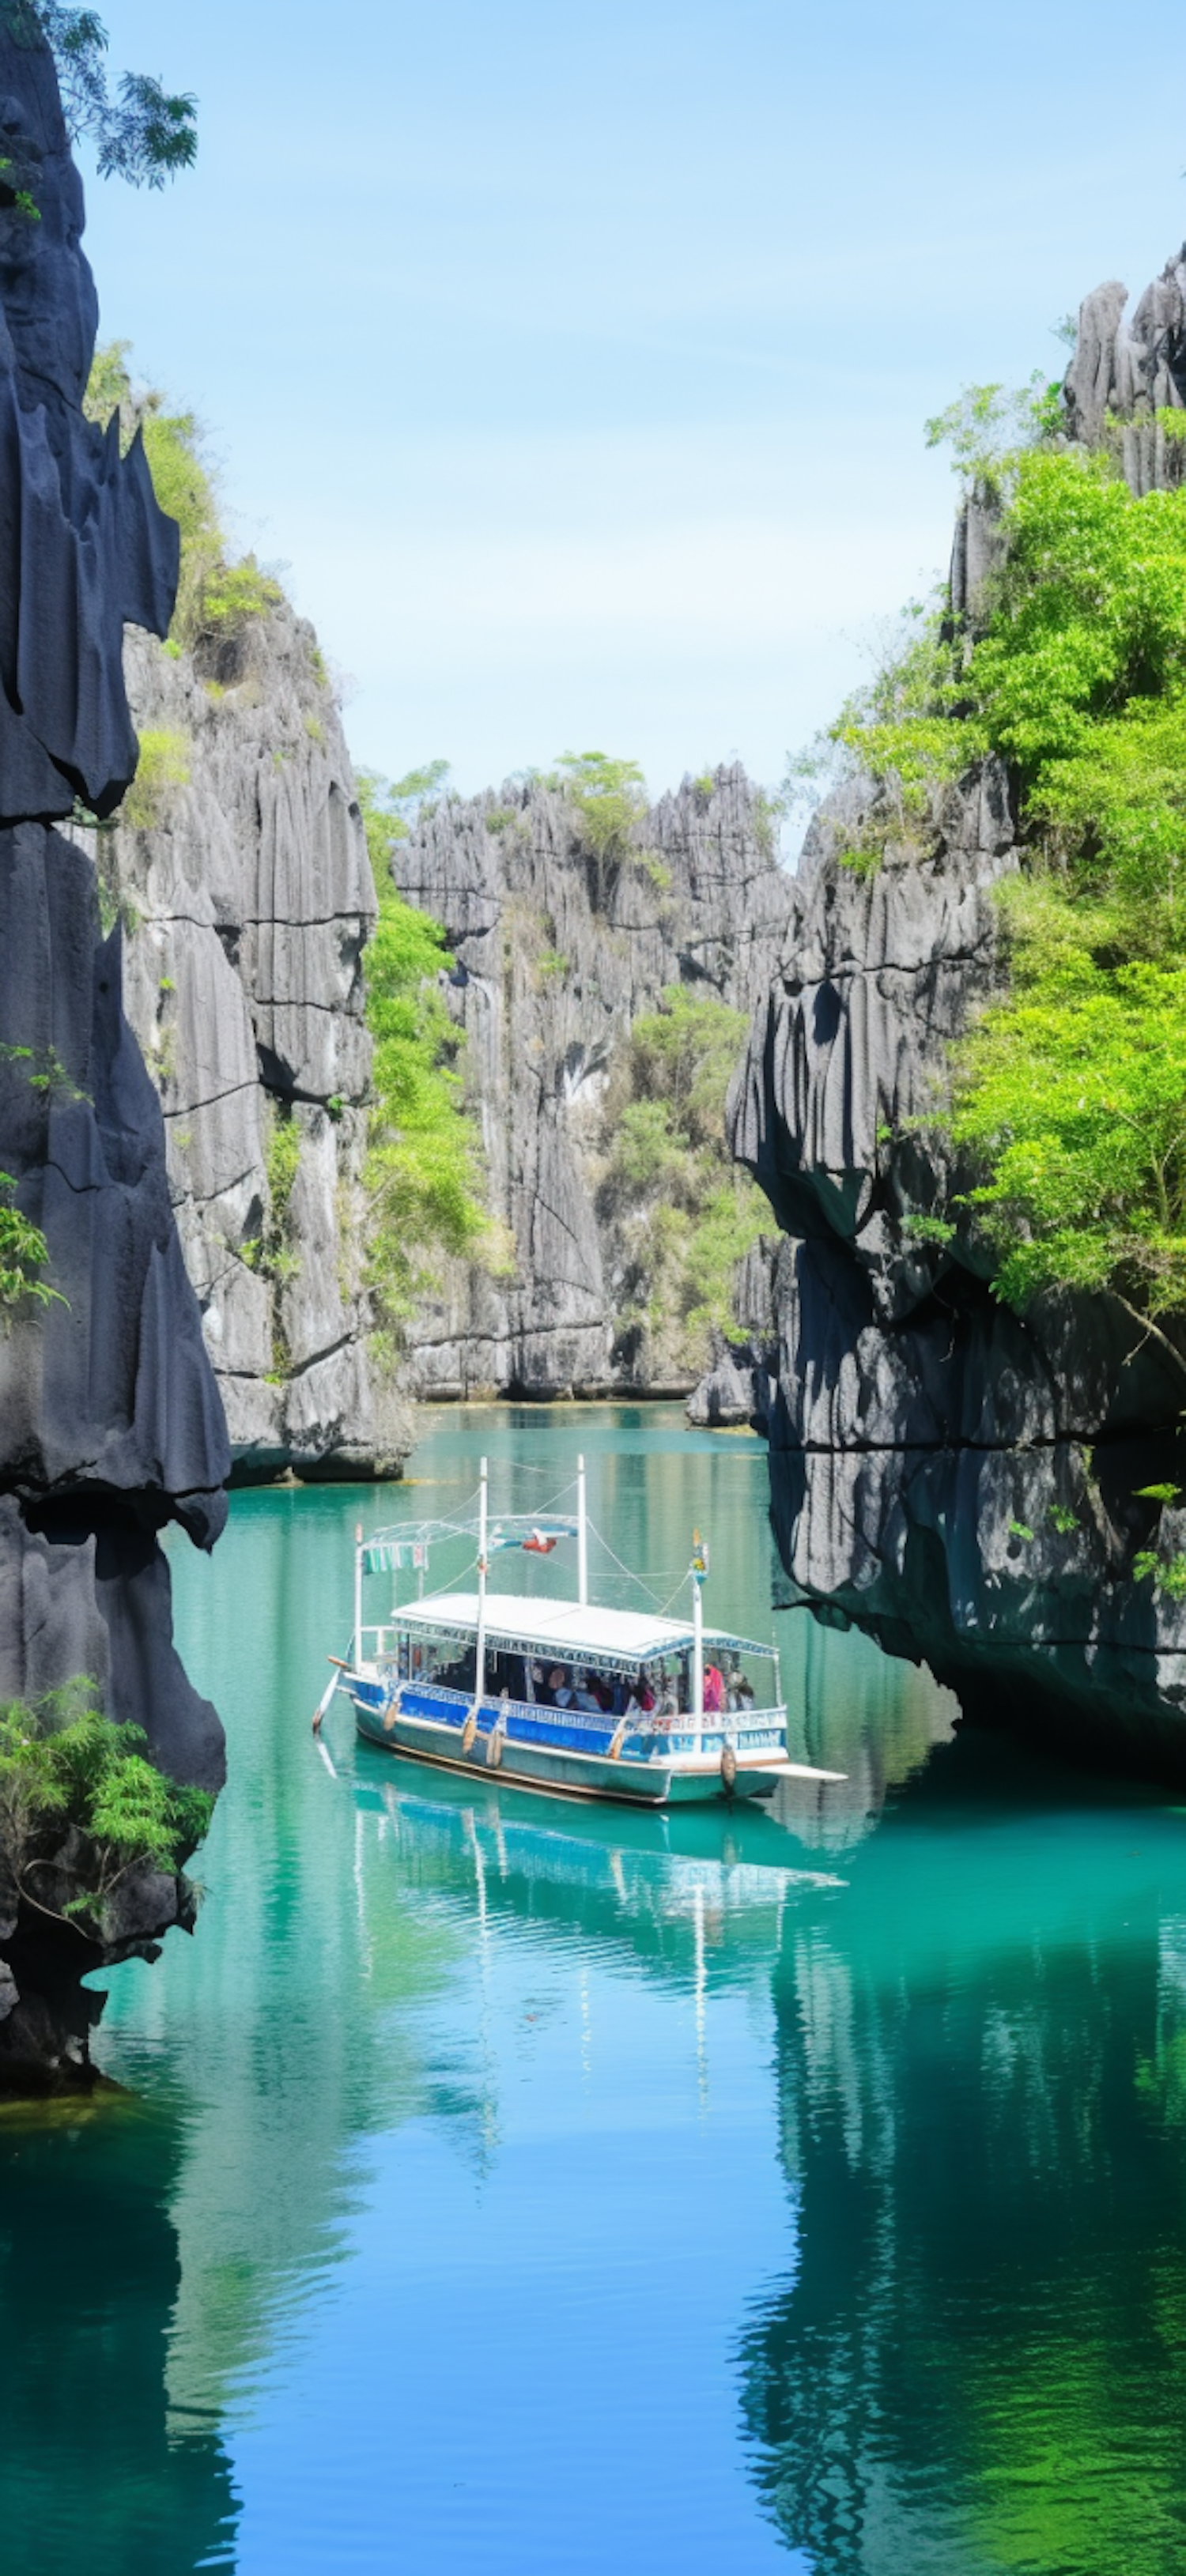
<point>572,1631</point>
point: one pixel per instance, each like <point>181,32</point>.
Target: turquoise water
<point>502,2186</point>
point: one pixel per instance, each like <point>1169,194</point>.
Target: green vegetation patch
<point>67,1770</point>
<point>684,1213</point>
<point>1070,1094</point>
<point>24,1253</point>
<point>217,596</point>
<point>422,1173</point>
<point>162,768</point>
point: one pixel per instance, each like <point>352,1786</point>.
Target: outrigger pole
<point>356,1650</point>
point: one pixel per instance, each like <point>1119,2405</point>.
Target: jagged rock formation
<point>248,897</point>
<point>553,965</point>
<point>1125,371</point>
<point>961,1483</point>
<point>110,1423</point>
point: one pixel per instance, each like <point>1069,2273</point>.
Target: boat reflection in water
<point>665,1884</point>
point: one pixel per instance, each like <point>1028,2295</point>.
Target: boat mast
<point>480,1659</point>
<point>698,1574</point>
<point>356,1651</point>
<point>582,1538</point>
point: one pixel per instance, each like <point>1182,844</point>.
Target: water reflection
<point>980,2365</point>
<point>95,2468</point>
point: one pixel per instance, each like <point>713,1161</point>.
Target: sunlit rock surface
<point>553,965</point>
<point>110,1421</point>
<point>248,899</point>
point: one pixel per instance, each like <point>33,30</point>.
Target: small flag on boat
<point>699,1556</point>
<point>538,1539</point>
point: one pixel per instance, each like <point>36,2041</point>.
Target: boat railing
<point>676,1730</point>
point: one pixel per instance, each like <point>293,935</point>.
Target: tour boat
<point>561,1695</point>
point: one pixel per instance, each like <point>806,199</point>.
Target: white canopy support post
<point>480,1659</point>
<point>357,1648</point>
<point>582,1537</point>
<point>698,1659</point>
<point>778,1696</point>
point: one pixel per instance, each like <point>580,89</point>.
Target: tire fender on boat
<point>494,1748</point>
<point>391,1712</point>
<point>469,1730</point>
<point>728,1767</point>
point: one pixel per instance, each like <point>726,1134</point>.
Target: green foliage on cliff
<point>216,595</point>
<point>163,765</point>
<point>422,1174</point>
<point>144,134</point>
<point>67,1770</point>
<point>1071,1092</point>
<point>684,1214</point>
<point>609,800</point>
<point>23,1253</point>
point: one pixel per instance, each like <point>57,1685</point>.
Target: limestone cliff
<point>554,963</point>
<point>961,1482</point>
<point>242,877</point>
<point>110,1421</point>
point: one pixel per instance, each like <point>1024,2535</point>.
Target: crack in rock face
<point>110,1420</point>
<point>959,1481</point>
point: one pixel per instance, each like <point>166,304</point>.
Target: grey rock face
<point>1130,368</point>
<point>552,968</point>
<point>249,897</point>
<point>961,1483</point>
<point>110,1422</point>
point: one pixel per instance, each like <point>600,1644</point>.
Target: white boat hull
<point>660,1778</point>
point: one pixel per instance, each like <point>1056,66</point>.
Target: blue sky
<point>575,363</point>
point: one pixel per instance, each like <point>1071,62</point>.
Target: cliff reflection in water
<point>96,2470</point>
<point>980,2364</point>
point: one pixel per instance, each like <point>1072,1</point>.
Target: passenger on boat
<point>667,1703</point>
<point>714,1690</point>
<point>745,1691</point>
<point>559,1687</point>
<point>641,1697</point>
<point>583,1697</point>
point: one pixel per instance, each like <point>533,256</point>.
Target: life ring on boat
<point>728,1768</point>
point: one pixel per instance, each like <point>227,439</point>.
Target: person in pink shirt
<point>714,1690</point>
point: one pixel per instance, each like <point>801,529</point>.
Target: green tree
<point>144,133</point>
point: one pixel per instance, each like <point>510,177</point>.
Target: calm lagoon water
<point>503,2187</point>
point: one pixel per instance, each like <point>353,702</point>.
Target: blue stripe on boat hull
<point>535,1759</point>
